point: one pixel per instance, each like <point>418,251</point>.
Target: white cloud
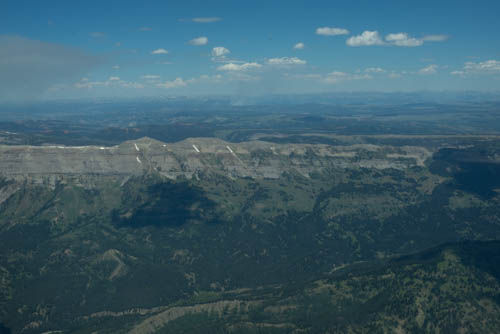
<point>485,67</point>
<point>145,29</point>
<point>395,75</point>
<point>199,41</point>
<point>286,61</point>
<point>112,82</point>
<point>116,67</point>
<point>238,67</point>
<point>428,70</point>
<point>435,38</point>
<point>489,66</point>
<point>336,77</point>
<point>402,39</point>
<point>206,19</point>
<point>220,51</point>
<point>367,38</point>
<point>299,46</point>
<point>374,70</point>
<point>150,76</point>
<point>159,52</point>
<point>327,31</point>
<point>178,82</point>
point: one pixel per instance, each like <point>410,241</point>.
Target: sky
<point>87,49</point>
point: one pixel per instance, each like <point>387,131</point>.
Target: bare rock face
<point>7,190</point>
<point>195,156</point>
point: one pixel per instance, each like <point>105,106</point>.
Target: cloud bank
<point>28,68</point>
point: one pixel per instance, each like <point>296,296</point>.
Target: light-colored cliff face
<point>196,156</point>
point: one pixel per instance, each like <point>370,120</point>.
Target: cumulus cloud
<point>286,61</point>
<point>159,52</point>
<point>328,31</point>
<point>116,67</point>
<point>299,46</point>
<point>435,38</point>
<point>206,19</point>
<point>114,78</point>
<point>402,39</point>
<point>145,29</point>
<point>28,67</point>
<point>238,67</point>
<point>220,51</point>
<point>199,41</point>
<point>428,70</point>
<point>178,82</point>
<point>367,38</point>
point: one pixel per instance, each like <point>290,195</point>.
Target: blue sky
<point>66,49</point>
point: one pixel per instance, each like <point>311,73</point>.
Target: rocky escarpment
<point>196,156</point>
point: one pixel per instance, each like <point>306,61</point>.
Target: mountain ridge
<point>256,159</point>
